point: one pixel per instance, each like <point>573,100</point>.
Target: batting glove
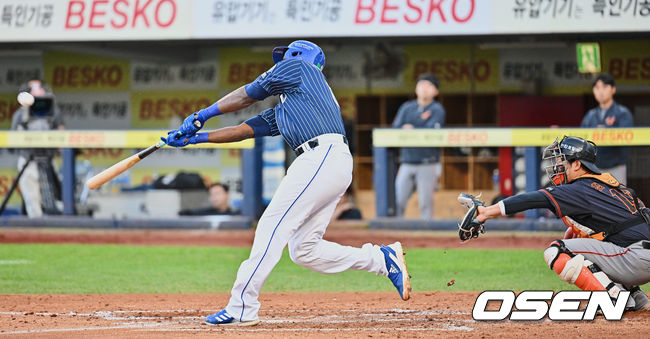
<point>174,140</point>
<point>190,126</point>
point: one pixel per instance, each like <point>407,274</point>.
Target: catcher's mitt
<point>469,227</point>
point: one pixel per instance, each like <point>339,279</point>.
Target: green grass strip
<point>79,269</point>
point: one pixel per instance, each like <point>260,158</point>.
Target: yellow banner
<point>168,109</point>
<point>600,136</point>
<point>505,137</point>
<point>347,100</point>
<point>98,139</point>
<point>8,105</point>
<point>7,176</point>
<point>628,61</point>
<point>81,72</point>
<point>241,65</point>
<point>230,157</point>
<point>459,66</point>
<point>441,137</point>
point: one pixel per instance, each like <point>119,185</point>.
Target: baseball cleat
<point>223,318</point>
<point>641,302</point>
<point>396,267</point>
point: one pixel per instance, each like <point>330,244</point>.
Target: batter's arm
<point>235,100</point>
<point>231,134</point>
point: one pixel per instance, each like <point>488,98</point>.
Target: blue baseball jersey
<point>307,106</point>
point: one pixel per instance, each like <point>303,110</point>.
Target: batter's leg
<point>308,249</point>
<point>303,190</point>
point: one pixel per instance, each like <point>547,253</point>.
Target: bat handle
<point>144,153</point>
<point>196,124</point>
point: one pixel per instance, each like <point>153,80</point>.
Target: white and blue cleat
<point>396,267</point>
<point>223,318</point>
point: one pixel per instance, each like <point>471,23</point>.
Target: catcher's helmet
<point>300,49</point>
<point>569,149</point>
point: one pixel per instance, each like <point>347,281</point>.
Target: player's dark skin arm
<point>231,134</point>
<point>235,100</point>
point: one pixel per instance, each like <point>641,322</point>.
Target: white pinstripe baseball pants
<point>298,215</point>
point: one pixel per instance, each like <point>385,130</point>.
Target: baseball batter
<point>607,243</point>
<point>309,119</point>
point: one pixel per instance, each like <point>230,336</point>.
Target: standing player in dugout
<point>309,119</point>
<point>607,244</point>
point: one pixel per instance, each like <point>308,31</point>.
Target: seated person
<point>346,209</point>
<point>218,202</point>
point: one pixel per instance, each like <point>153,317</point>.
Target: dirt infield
<point>351,237</point>
<point>350,315</point>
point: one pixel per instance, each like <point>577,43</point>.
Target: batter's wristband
<point>209,112</point>
<point>201,138</point>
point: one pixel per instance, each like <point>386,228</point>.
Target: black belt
<point>313,143</point>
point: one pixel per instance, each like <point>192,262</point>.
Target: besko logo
<point>535,305</point>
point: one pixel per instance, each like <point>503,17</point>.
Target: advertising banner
<point>79,20</point>
<point>200,75</point>
<point>326,18</point>
<point>553,69</point>
<point>460,67</point>
<point>95,111</point>
<point>167,109</point>
<point>569,16</point>
<point>106,20</point>
<point>83,72</point>
<point>629,62</point>
<point>16,70</point>
<point>8,105</point>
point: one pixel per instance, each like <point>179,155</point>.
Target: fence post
<point>69,181</point>
<point>531,156</point>
<point>384,169</point>
<point>252,179</point>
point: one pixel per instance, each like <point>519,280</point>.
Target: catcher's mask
<point>567,150</point>
<point>300,49</point>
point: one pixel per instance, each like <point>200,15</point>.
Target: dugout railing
<point>386,141</point>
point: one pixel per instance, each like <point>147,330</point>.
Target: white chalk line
<point>109,315</point>
<point>16,262</point>
<point>77,329</point>
<point>126,320</point>
<point>313,329</point>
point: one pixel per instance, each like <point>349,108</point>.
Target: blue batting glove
<point>178,140</point>
<point>191,125</point>
<point>195,121</point>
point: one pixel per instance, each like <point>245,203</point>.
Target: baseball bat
<point>117,169</point>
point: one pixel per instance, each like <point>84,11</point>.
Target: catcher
<point>607,242</point>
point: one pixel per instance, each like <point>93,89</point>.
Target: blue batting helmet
<point>300,49</point>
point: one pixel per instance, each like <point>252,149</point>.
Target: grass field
<point>79,269</point>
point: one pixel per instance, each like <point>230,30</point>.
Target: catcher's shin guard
<point>575,269</point>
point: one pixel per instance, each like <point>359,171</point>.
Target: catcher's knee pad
<point>577,270</point>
